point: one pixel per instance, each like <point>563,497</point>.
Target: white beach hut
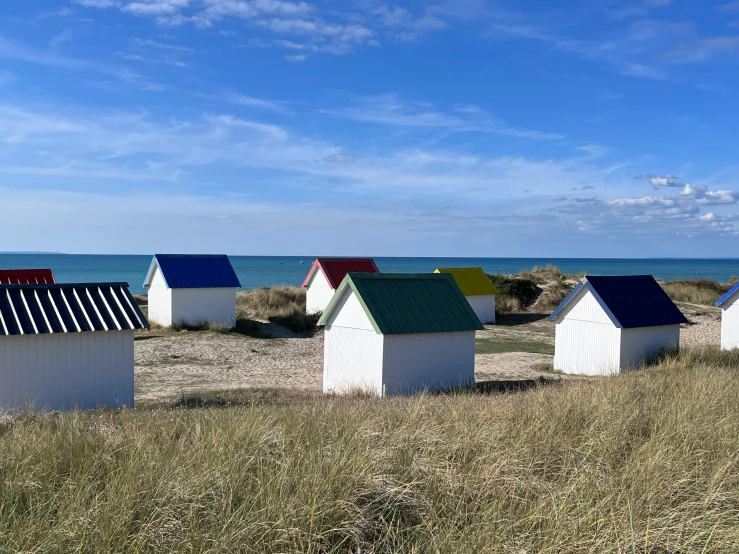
<point>477,289</point>
<point>398,334</point>
<point>66,346</point>
<point>611,324</point>
<point>192,290</point>
<point>326,274</point>
<point>729,318</point>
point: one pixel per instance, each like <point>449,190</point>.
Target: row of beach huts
<point>70,345</point>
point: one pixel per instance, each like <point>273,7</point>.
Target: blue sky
<point>362,127</point>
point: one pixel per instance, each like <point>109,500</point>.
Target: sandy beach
<point>169,363</point>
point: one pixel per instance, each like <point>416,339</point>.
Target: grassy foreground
<point>645,462</point>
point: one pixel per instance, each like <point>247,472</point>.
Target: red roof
<point>26,277</point>
<point>335,269</point>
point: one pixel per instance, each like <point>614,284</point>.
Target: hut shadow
<point>517,385</point>
<point>514,320</point>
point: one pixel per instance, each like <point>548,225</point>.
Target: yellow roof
<point>472,281</point>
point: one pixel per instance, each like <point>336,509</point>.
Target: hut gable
<point>729,298</point>
<point>407,303</point>
<point>630,302</point>
<point>472,281</point>
<point>26,277</point>
<point>181,271</point>
<point>335,269</point>
<point>729,318</point>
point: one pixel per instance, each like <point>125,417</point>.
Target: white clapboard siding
<point>584,307</point>
<point>352,360</point>
<point>428,361</point>
<point>587,348</point>
<point>642,344</point>
<point>196,306</point>
<point>349,313</point>
<point>61,371</point>
<point>484,307</point>
<point>730,324</point>
<point>318,293</point>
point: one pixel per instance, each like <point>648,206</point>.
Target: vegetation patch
<point>641,462</point>
<point>700,291</point>
<point>283,305</point>
<point>500,345</point>
<point>514,293</point>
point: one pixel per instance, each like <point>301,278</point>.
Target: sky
<point>577,128</point>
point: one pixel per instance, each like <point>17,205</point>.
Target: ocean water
<point>256,271</point>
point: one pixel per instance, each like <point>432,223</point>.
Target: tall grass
<point>644,462</point>
<point>696,291</point>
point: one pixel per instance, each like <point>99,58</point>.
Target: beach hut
<point>26,277</point>
<point>66,346</point>
<point>191,290</point>
<point>326,274</point>
<point>611,324</point>
<point>397,333</point>
<point>729,318</point>
<point>477,289</point>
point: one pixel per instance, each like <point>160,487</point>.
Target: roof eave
<point>726,297</point>
<point>574,292</point>
<point>150,274</point>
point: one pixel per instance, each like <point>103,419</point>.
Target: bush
<point>514,293</point>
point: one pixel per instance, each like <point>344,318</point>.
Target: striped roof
<point>194,271</point>
<point>26,277</point>
<point>472,281</point>
<point>630,301</point>
<point>335,269</point>
<point>408,303</point>
<point>68,308</point>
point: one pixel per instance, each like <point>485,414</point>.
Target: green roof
<point>409,303</point>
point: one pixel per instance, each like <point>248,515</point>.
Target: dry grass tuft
<point>695,291</point>
<point>642,462</point>
<point>283,305</point>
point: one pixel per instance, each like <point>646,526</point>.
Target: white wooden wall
<point>195,306</point>
<point>159,299</point>
<point>642,344</point>
<point>484,307</point>
<point>730,324</point>
<point>352,359</point>
<point>587,348</point>
<point>61,371</point>
<point>430,361</point>
<point>318,293</point>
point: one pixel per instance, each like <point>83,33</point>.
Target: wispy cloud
<point>388,109</point>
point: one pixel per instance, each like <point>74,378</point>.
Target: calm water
<point>255,271</point>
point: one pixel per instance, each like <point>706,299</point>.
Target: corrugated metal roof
<point>729,294</point>
<point>26,277</point>
<point>68,308</point>
<point>186,271</point>
<point>409,303</point>
<point>630,301</point>
<point>472,281</point>
<point>335,269</point>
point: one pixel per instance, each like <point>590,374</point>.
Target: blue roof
<point>181,271</point>
<point>630,301</point>
<point>728,295</point>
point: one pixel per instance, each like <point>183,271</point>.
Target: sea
<point>258,271</point>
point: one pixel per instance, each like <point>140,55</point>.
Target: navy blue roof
<point>182,271</point>
<point>631,301</point>
<point>728,295</point>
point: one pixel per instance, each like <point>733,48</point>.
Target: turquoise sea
<point>256,271</point>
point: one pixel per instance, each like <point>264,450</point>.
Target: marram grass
<point>644,462</point>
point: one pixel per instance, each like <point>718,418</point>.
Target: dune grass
<point>704,292</point>
<point>283,305</point>
<point>643,462</point>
